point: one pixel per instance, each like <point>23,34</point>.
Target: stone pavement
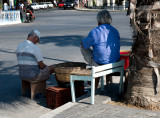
<point>83,108</point>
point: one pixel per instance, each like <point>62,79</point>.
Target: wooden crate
<point>57,96</point>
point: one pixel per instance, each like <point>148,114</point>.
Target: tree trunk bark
<point>143,74</point>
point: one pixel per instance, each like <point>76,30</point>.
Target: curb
<point>97,10</point>
<point>64,107</point>
<point>58,110</point>
<point>68,105</point>
<point>9,23</point>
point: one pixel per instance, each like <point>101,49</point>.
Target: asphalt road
<point>61,34</point>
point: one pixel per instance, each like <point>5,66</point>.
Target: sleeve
<point>88,41</point>
<point>38,54</point>
<point>118,35</point>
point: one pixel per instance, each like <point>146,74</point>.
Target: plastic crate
<point>57,96</point>
<point>125,55</point>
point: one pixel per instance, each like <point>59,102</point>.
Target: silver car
<point>49,4</point>
<point>35,6</point>
<point>43,5</point>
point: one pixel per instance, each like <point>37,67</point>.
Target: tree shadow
<point>70,40</point>
<point>75,40</point>
<point>110,90</point>
<point>61,60</point>
<point>11,52</point>
<point>126,42</point>
<point>10,83</point>
<point>5,51</point>
<point>10,89</point>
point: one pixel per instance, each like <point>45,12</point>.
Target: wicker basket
<point>64,70</point>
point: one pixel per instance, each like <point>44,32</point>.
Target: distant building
<point>16,2</point>
<point>99,3</point>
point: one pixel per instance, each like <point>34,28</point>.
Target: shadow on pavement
<point>111,91</point>
<point>10,84</point>
<point>56,59</point>
<point>11,52</point>
<point>126,42</point>
<point>75,40</point>
<point>10,89</point>
<point>70,40</point>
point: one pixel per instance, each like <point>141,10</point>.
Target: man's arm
<point>88,41</point>
<point>41,64</point>
<point>82,44</point>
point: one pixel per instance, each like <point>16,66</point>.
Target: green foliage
<point>0,6</point>
<point>119,2</point>
<point>94,3</point>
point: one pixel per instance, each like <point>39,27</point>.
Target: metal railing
<point>10,16</point>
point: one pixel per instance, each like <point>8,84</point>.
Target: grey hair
<point>104,17</point>
<point>32,34</point>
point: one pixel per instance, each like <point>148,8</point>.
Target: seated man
<point>30,60</point>
<point>104,41</point>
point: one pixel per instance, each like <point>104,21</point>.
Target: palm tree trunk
<point>143,74</point>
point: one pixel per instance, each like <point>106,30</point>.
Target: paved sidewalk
<point>3,22</point>
<point>83,108</point>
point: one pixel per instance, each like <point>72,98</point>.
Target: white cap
<point>37,33</point>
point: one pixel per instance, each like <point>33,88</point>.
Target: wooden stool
<point>35,87</point>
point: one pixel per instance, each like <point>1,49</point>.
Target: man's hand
<point>41,64</point>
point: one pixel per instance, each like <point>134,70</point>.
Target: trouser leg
<point>88,57</point>
<point>87,54</point>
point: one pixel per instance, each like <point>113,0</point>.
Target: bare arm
<point>41,64</point>
<point>82,44</point>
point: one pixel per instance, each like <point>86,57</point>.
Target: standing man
<point>22,5</point>
<point>102,45</point>
<point>30,60</point>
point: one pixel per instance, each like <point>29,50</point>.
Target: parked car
<point>43,5</point>
<point>60,4</point>
<point>69,4</point>
<point>35,6</point>
<point>49,4</point>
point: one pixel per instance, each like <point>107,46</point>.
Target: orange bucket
<point>124,54</point>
